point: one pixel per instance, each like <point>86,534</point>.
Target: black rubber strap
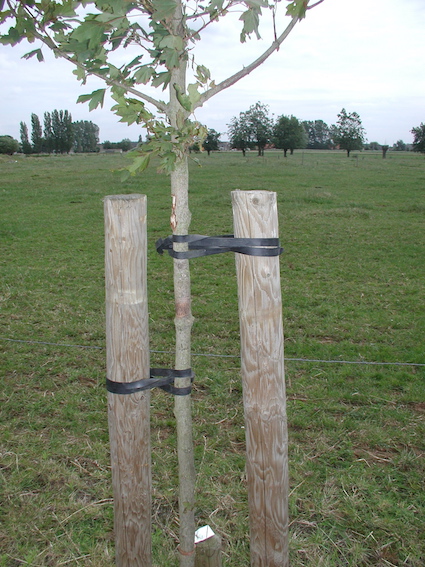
<point>159,378</point>
<point>199,245</point>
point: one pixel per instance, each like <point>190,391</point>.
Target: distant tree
<point>399,146</point>
<point>36,134</point>
<point>289,134</point>
<point>318,135</point>
<point>25,143</point>
<point>240,134</point>
<point>48,133</point>
<point>348,133</point>
<point>125,145</point>
<point>252,129</point>
<point>86,136</point>
<point>419,138</point>
<point>211,141</point>
<point>8,145</point>
<point>260,125</point>
<point>194,148</point>
<point>62,131</point>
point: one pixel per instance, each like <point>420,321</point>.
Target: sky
<point>365,56</point>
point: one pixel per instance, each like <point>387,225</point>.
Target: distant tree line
<point>125,145</point>
<point>254,128</point>
<point>59,134</point>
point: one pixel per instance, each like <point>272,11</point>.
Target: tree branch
<point>247,70</point>
<point>315,4</point>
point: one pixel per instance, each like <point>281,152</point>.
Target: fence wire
<point>209,355</point>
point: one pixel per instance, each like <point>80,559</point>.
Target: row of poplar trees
<point>60,134</point>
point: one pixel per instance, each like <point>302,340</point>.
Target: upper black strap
<point>199,245</point>
<point>159,378</point>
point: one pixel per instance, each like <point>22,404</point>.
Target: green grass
<point>353,290</point>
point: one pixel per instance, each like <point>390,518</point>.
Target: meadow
<point>353,293</point>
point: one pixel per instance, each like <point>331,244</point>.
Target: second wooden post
<point>262,366</point>
<point>127,360</point>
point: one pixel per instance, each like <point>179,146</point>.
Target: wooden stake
<point>127,344</point>
<point>260,315</point>
<point>208,552</point>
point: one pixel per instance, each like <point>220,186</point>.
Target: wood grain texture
<point>127,360</point>
<point>263,380</point>
<point>208,552</point>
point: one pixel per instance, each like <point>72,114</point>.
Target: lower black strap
<point>199,245</point>
<point>159,378</point>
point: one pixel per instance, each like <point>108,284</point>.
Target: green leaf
<point>79,73</point>
<point>36,52</point>
<point>183,99</point>
<point>251,21</point>
<point>162,79</point>
<point>170,58</point>
<point>203,74</point>
<point>139,164</point>
<point>144,74</point>
<point>194,95</point>
<point>96,98</point>
<point>297,8</point>
<point>163,9</point>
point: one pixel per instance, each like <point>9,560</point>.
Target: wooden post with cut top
<point>127,360</point>
<point>262,367</point>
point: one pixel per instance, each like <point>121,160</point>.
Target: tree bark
<point>180,222</point>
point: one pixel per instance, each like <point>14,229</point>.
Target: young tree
<point>25,143</point>
<point>165,31</point>
<point>419,138</point>
<point>211,141</point>
<point>348,133</point>
<point>36,134</point>
<point>289,134</point>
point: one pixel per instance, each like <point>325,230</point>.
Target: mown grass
<point>353,290</point>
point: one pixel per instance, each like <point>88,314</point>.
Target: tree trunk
<point>180,221</point>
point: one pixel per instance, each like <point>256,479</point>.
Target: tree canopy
<point>92,34</point>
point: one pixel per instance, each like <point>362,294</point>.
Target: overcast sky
<point>367,56</point>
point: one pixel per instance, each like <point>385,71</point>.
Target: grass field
<point>353,290</point>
